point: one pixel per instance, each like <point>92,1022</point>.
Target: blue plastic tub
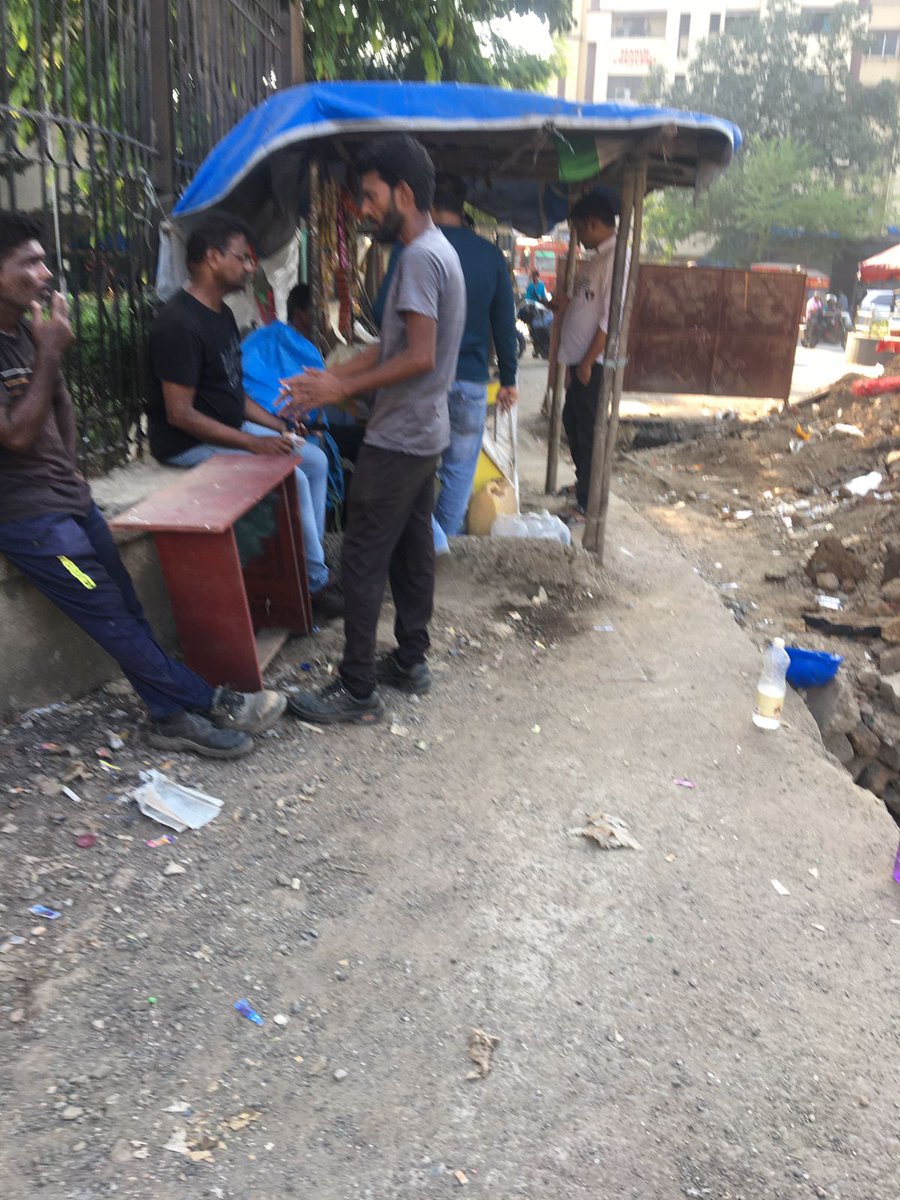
<point>811,668</point>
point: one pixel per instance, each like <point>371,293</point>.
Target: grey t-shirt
<point>412,417</point>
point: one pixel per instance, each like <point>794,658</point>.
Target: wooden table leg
<point>276,581</point>
<point>209,602</point>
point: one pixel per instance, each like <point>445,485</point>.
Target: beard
<point>388,231</point>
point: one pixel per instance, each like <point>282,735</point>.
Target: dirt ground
<point>669,1023</point>
<point>754,499</point>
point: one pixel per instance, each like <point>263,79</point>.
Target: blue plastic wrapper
<point>246,1009</point>
<point>40,911</point>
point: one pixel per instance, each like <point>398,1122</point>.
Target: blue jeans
<point>75,563</point>
<point>467,402</point>
<point>312,482</point>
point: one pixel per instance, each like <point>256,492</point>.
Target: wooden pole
<point>296,65</point>
<point>613,364</point>
<point>560,380</point>
<point>314,251</point>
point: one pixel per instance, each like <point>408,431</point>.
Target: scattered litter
<point>849,430</point>
<point>780,888</point>
<point>801,432</point>
<point>177,1143</point>
<point>861,485</point>
<point>174,868</point>
<point>481,1046</point>
<point>831,602</point>
<point>609,833</point>
<point>155,843</point>
<point>181,1108</point>
<point>729,587</point>
<point>670,857</point>
<point>309,727</point>
<point>85,841</point>
<point>821,928</point>
<point>814,871</point>
<point>339,1075</point>
<point>461,1178</point>
<point>245,1008</point>
<point>540,599</point>
<point>604,628</point>
<point>116,742</point>
<point>743,514</point>
<point>304,666</point>
<point>67,791</point>
<point>535,729</point>
<point>627,553</point>
<point>40,910</point>
<point>280,1019</point>
<point>398,730</point>
<point>515,616</point>
<point>171,804</point>
<point>685,783</point>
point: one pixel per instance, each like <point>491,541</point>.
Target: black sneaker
<point>328,603</point>
<point>415,679</point>
<point>190,731</point>
<point>250,712</point>
<point>334,703</point>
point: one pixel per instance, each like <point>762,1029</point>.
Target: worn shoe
<point>334,703</point>
<point>190,731</point>
<point>250,712</point>
<point>415,679</point>
<point>328,603</point>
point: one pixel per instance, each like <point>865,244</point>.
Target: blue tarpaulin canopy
<point>519,151</point>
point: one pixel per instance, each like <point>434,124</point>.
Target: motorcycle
<point>538,319</point>
<point>825,325</point>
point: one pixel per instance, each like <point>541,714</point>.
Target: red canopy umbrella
<point>881,268</point>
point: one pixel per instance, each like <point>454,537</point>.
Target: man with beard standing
<point>389,535</point>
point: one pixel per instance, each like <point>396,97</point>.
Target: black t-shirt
<point>200,348</point>
<point>45,479</point>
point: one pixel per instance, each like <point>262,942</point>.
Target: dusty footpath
<point>669,1022</point>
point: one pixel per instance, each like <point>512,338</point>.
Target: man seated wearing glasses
<point>198,407</point>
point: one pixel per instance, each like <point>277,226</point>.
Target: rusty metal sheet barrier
<point>715,332</point>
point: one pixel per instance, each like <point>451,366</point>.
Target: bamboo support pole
<point>621,303</point>
<point>560,380</point>
<point>314,251</point>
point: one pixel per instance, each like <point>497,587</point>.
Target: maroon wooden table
<point>218,603</point>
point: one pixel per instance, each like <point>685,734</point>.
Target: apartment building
<point>614,44</point>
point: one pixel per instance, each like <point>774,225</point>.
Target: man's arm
<point>594,350</point>
<point>261,416</point>
<point>65,419</point>
<point>316,389</point>
<point>21,423</point>
<point>503,328</point>
<point>180,411</point>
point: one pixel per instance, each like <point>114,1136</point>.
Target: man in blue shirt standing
<point>490,312</point>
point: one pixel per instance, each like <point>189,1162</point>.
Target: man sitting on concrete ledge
<point>51,529</point>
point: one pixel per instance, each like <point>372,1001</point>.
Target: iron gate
<point>104,103</point>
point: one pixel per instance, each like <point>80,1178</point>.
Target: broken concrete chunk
<point>876,778</point>
<point>834,707</point>
<point>864,741</point>
<point>889,690</point>
<point>838,744</point>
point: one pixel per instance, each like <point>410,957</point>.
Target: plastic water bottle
<point>772,686</point>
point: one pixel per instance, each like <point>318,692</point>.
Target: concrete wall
<point>44,657</point>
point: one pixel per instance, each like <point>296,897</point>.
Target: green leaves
<point>819,146</point>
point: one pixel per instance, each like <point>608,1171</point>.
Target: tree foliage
<point>819,146</point>
<point>427,40</point>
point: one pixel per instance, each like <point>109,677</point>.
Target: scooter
<point>538,319</point>
<point>825,325</point>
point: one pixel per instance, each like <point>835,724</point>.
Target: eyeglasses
<point>245,260</point>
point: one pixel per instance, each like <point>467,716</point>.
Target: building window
<point>739,22</point>
<point>815,20</point>
<point>715,23</point>
<point>639,25</point>
<point>883,43</point>
<point>624,89</point>
<point>684,34</point>
<point>590,72</point>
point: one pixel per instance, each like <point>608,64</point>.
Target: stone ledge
<point>43,656</point>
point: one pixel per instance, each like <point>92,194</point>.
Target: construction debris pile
<point>800,512</point>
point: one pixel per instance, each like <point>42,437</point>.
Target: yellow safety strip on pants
<point>83,579</point>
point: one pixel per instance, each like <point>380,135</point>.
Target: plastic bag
<point>543,526</point>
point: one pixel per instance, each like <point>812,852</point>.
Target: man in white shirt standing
<point>582,341</point>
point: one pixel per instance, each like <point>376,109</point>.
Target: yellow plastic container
<point>497,496</point>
